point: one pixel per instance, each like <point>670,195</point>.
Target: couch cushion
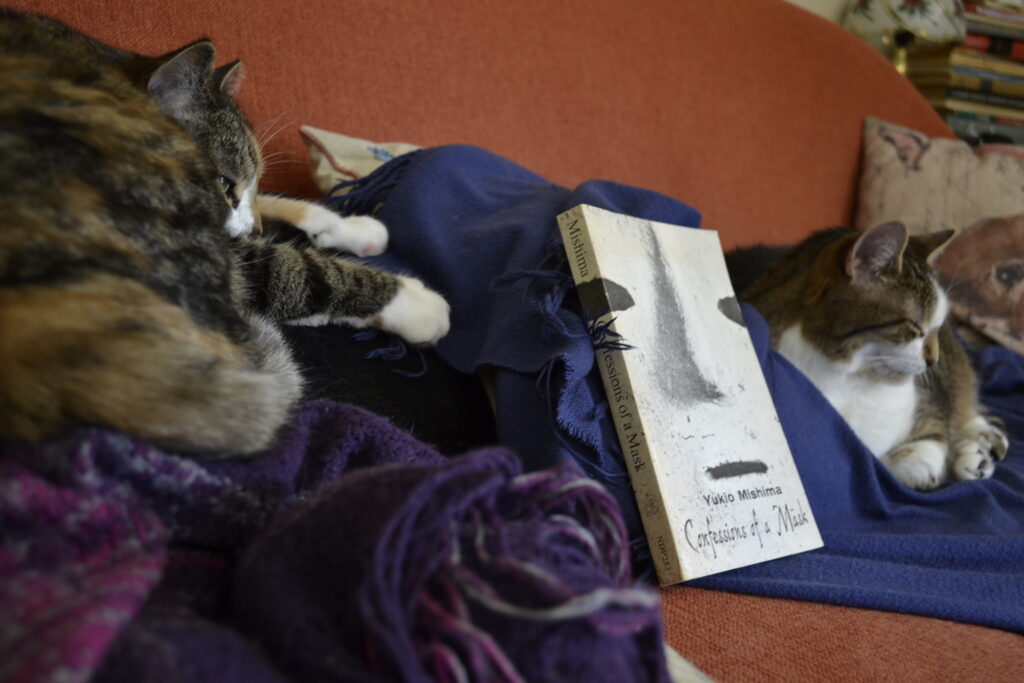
<point>750,110</point>
<point>933,184</point>
<point>734,637</point>
<point>338,158</point>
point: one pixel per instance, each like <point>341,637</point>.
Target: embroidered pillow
<point>336,158</point>
<point>934,184</point>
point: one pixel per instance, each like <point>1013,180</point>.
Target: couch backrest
<point>749,111</point>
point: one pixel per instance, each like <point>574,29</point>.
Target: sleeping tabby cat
<point>862,315</point>
<point>124,301</point>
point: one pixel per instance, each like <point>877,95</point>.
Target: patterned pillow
<point>336,158</point>
<point>934,184</point>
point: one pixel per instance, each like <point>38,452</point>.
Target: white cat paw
<point>919,465</point>
<point>972,460</point>
<point>416,314</point>
<point>359,235</point>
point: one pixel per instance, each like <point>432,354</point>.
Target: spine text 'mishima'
<point>578,249</point>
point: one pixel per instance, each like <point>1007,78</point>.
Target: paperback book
<point>714,479</point>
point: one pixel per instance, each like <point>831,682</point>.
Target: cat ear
<point>178,84</point>
<point>932,245</point>
<point>877,250</point>
<point>228,78</point>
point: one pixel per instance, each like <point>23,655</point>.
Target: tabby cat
<point>862,315</point>
<point>130,296</point>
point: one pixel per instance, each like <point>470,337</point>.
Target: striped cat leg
<point>308,287</point>
<point>978,438</point>
<point>359,235</point>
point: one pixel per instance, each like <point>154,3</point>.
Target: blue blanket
<point>482,231</point>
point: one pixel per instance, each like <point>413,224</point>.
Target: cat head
<point>200,98</point>
<point>874,303</point>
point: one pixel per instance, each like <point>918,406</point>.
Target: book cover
<point>712,472</point>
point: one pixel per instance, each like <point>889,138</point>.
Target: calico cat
<point>863,316</point>
<point>129,296</point>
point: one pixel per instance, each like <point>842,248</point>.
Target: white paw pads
<point>919,465</point>
<point>972,460</point>
<point>989,435</point>
<point>416,314</point>
<point>359,235</point>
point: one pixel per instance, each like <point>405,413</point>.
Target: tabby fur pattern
<point>863,316</point>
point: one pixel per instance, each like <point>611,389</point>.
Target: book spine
<point>983,73</point>
<point>981,61</point>
<point>925,81</point>
<point>625,415</point>
<point>994,45</point>
<point>989,28</point>
<point>986,98</point>
<point>983,10</point>
<point>980,129</point>
<point>954,105</point>
<point>985,118</point>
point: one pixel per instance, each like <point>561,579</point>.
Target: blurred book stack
<point>978,86</point>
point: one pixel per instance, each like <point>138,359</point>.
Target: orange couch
<point>749,111</point>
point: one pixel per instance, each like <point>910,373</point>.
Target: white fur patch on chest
<point>241,220</point>
<point>881,414</point>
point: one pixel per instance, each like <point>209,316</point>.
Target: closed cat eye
<point>892,325</point>
<point>228,185</point>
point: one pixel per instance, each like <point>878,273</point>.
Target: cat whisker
<point>264,137</point>
<point>283,158</point>
<point>283,163</point>
<point>262,126</point>
<point>954,279</point>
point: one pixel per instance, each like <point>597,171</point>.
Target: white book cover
<point>715,481</point>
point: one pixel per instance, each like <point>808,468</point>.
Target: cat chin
<point>893,370</point>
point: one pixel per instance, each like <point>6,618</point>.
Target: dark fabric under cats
<point>414,388</point>
<point>365,556</point>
